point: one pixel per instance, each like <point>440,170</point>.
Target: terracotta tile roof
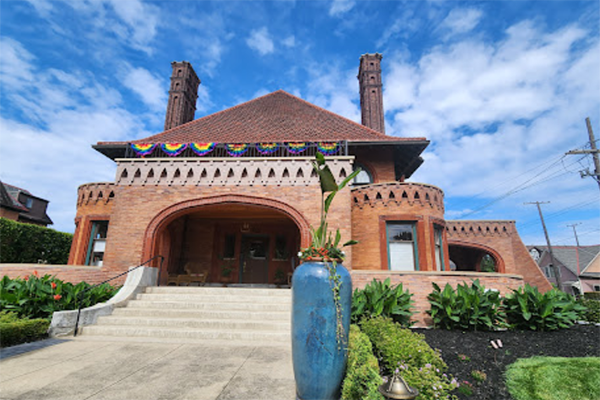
<point>275,117</point>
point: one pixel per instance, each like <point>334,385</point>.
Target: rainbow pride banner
<point>267,148</point>
<point>173,149</point>
<point>203,149</point>
<point>236,149</point>
<point>327,148</point>
<point>297,147</point>
<point>143,149</point>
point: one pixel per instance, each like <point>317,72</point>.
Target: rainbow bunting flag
<point>173,149</point>
<point>297,147</point>
<point>203,148</point>
<point>327,148</point>
<point>236,149</point>
<point>143,149</point>
<point>267,148</point>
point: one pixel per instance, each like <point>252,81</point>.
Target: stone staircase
<point>201,313</point>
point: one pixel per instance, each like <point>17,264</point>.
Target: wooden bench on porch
<point>190,276</point>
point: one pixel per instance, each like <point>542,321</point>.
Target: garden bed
<point>577,341</point>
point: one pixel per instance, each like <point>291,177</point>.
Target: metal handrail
<point>108,280</point>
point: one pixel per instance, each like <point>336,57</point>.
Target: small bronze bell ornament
<point>397,388</point>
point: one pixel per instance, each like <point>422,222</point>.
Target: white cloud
<point>204,102</point>
<point>260,41</point>
<point>339,7</point>
<point>461,20</point>
<point>148,87</point>
<point>496,110</point>
<point>15,68</point>
<point>140,18</point>
<point>290,41</point>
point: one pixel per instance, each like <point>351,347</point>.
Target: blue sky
<point>501,88</point>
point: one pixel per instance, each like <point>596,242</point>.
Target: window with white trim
<point>364,177</point>
<point>402,246</point>
<point>439,248</point>
<point>97,244</point>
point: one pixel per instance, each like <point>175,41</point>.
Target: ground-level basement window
<point>95,253</point>
<point>402,246</point>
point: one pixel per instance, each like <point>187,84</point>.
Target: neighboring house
<point>20,205</point>
<point>235,192</point>
<point>578,266</point>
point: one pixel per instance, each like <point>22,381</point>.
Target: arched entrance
<point>474,257</point>
<point>231,239</point>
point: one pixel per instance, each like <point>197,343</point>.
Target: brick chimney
<point>182,95</point>
<point>371,92</point>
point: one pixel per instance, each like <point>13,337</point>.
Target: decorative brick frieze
<point>397,193</point>
<point>226,171</point>
<point>97,192</point>
<point>467,229</point>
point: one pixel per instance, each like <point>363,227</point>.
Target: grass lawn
<point>549,378</point>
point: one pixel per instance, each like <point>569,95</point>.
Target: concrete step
<point>209,298</point>
<point>217,291</point>
<point>223,324</point>
<point>184,305</point>
<point>281,316</point>
<point>186,333</point>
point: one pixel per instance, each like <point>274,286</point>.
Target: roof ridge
<point>214,114</point>
<point>372,131</point>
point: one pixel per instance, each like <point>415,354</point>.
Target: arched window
<point>364,177</point>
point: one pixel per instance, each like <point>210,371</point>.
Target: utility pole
<point>554,267</point>
<point>577,248</point>
<point>594,152</point>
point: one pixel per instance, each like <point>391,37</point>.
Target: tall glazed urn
<point>319,358</point>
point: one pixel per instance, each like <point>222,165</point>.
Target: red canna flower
<point>35,273</point>
<point>26,278</point>
<point>53,285</point>
<point>57,297</point>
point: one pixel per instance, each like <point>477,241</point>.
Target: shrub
<point>380,298</point>
<point>478,376</point>
<point>592,295</point>
<point>592,310</point>
<point>468,308</point>
<point>399,348</point>
<point>15,331</point>
<point>527,308</point>
<point>27,243</point>
<point>362,373</point>
<point>35,297</point>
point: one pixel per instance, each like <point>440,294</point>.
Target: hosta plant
<point>381,299</point>
<point>528,309</point>
<point>468,307</point>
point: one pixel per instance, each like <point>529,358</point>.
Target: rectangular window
<point>281,251</point>
<point>596,288</point>
<point>29,202</point>
<point>439,249</point>
<point>402,246</point>
<point>95,254</point>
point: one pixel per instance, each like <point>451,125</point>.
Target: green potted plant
<point>321,302</point>
<point>280,278</point>
<point>226,272</point>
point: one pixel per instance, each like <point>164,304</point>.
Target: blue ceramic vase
<point>319,363</point>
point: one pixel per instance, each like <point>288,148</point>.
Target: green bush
<point>526,308</point>
<point>26,243</point>
<point>379,298</point>
<point>362,373</point>
<point>592,295</point>
<point>406,351</point>
<point>35,297</point>
<point>592,310</point>
<point>468,308</point>
<point>15,331</point>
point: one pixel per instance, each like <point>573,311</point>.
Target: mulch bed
<point>577,341</point>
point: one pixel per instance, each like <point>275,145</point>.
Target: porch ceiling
<point>237,212</point>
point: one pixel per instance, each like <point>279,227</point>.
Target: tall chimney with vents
<point>182,95</point>
<point>371,92</point>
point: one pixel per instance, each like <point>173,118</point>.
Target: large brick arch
<point>174,211</point>
<point>500,265</point>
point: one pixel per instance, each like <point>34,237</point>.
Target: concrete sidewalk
<point>134,369</point>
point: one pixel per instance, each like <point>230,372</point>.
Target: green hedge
<point>15,331</point>
<point>362,374</point>
<point>592,310</point>
<point>592,295</point>
<point>25,243</point>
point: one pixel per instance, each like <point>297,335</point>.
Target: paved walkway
<point>131,370</point>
